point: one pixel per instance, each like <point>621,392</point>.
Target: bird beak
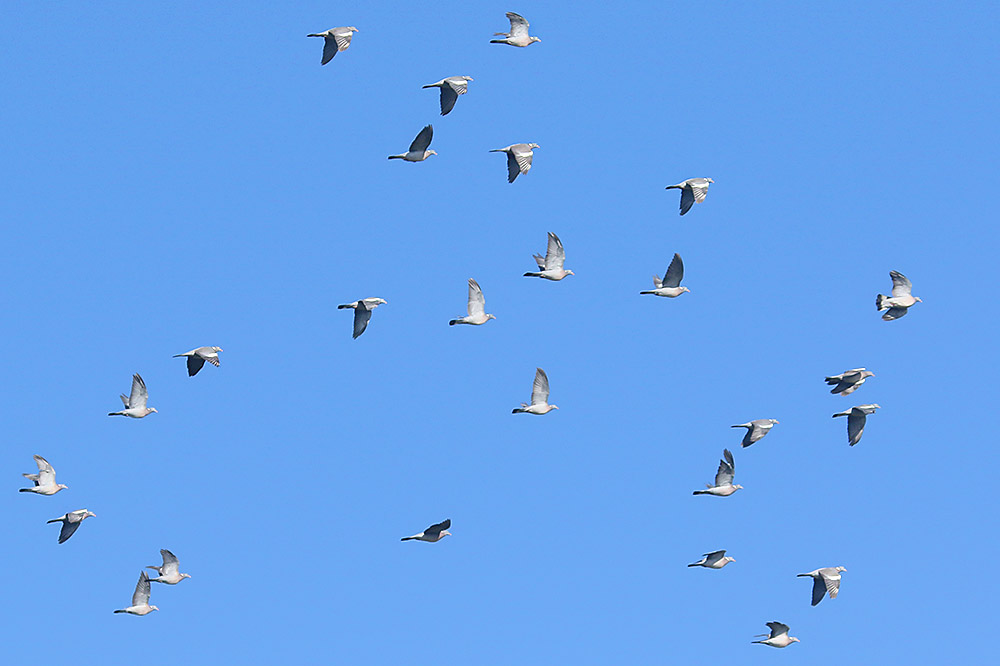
<point>153,409</point>
<point>91,515</point>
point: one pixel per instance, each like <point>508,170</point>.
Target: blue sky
<point>187,174</point>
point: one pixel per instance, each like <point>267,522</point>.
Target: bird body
<point>856,419</point>
<point>551,265</point>
<point>713,560</point>
<point>693,190</point>
<point>362,312</point>
<point>451,87</point>
<point>519,156</point>
<point>756,430</point>
<point>418,151</point>
<point>518,35</point>
<point>723,478</point>
<point>335,40</point>
<point>898,304</point>
<point>140,598</point>
<point>135,403</point>
<point>539,396</point>
<point>169,572</point>
<point>778,637</point>
<point>433,533</point>
<point>44,480</point>
<point>476,307</point>
<point>825,580</point>
<point>848,381</point>
<point>670,285</point>
<point>71,522</point>
<point>196,358</point>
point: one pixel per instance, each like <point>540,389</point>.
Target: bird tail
<point>498,150</point>
<point>54,520</point>
<point>429,86</point>
<point>179,355</point>
<point>803,576</point>
<point>699,492</point>
<point>516,410</point>
<point>740,425</point>
<point>878,302</point>
<point>648,292</point>
<point>673,187</point>
<point>841,414</point>
<point>121,611</point>
<point>498,41</point>
<point>314,35</point>
<point>25,490</point>
<point>407,538</point>
<point>532,275</point>
<point>116,413</point>
<point>692,565</point>
<point>452,322</point>
<point>395,157</point>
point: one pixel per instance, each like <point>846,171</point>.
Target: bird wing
<point>727,470</point>
<point>141,595</point>
<point>330,49</point>
<point>714,556</point>
<point>477,302</point>
<point>855,426</point>
<point>170,563</point>
<point>448,99</point>
<point>437,528</point>
<point>423,140</point>
<point>540,389</point>
<point>901,285</point>
<point>894,313</point>
<point>699,188</point>
<point>687,198</point>
<point>831,580</point>
<point>459,84</point>
<point>46,474</point>
<point>555,255</point>
<point>512,167</point>
<point>518,25</point>
<point>343,39</point>
<point>540,260</point>
<point>657,282</point>
<point>139,395</point>
<point>194,363</point>
<point>523,154</point>
<point>777,629</point>
<point>819,589</point>
<point>362,314</point>
<point>675,272</point>
<point>68,529</point>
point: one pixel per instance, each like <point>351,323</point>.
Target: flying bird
<point>756,430</point>
<point>196,358</point>
<point>362,312</point>
<point>135,404</point>
<point>45,480</point>
<point>778,637</point>
<point>140,598</point>
<point>550,267</point>
<point>856,418</point>
<point>723,478</point>
<point>334,41</point>
<point>539,396</point>
<point>418,151</point>
<point>518,158</point>
<point>433,533</point>
<point>848,381</point>
<point>714,560</point>
<point>169,570</point>
<point>825,580</point>
<point>670,285</point>
<point>476,307</point>
<point>518,35</point>
<point>899,303</point>
<point>71,522</point>
<point>693,190</point>
<point>451,88</point>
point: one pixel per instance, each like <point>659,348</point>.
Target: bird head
<point>153,409</point>
<point>683,289</point>
<point>489,316</point>
<point>535,39</point>
<point>775,421</point>
<point>918,299</point>
<point>352,28</point>
<point>444,534</point>
<point>89,514</point>
<point>429,153</point>
<point>570,273</point>
<point>153,608</point>
<point>185,575</point>
<point>730,559</point>
<point>468,78</point>
<point>216,349</point>
<point>793,639</point>
<point>738,487</point>
<point>842,569</point>
<point>554,406</point>
<point>62,486</point>
<point>709,180</point>
<point>381,301</point>
<point>533,145</point>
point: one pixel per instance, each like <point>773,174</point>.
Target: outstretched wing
<point>170,563</point>
<point>855,426</point>
<point>512,168</point>
<point>194,363</point>
<point>518,25</point>
<point>540,389</point>
<point>423,140</point>
<point>555,255</point>
<point>139,395</point>
<point>477,302</point>
<point>436,529</point>
<point>675,272</point>
<point>522,154</point>
<point>777,628</point>
<point>901,285</point>
<point>141,595</point>
<point>448,99</point>
<point>894,313</point>
<point>699,188</point>
<point>819,589</point>
<point>727,469</point>
<point>362,314</point>
<point>46,474</point>
<point>68,529</point>
<point>330,49</point>
<point>687,198</point>
<point>343,39</point>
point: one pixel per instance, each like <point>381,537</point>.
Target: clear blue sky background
<point>187,174</point>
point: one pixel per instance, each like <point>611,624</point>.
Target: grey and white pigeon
<point>825,580</point>
<point>71,522</point>
<point>135,403</point>
<point>693,190</point>
<point>856,418</point>
<point>451,88</point>
<point>756,430</point>
<point>723,478</point>
<point>539,396</point>
<point>433,533</point>
<point>418,151</point>
<point>45,480</point>
<point>335,40</point>
<point>899,303</point>
<point>362,312</point>
<point>778,637</point>
<point>550,267</point>
<point>169,571</point>
<point>848,381</point>
<point>476,307</point>
<point>670,285</point>
<point>713,560</point>
<point>518,35</point>
<point>140,598</point>
<point>196,358</point>
<point>519,157</point>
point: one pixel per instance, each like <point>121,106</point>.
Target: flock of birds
<point>826,580</point>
